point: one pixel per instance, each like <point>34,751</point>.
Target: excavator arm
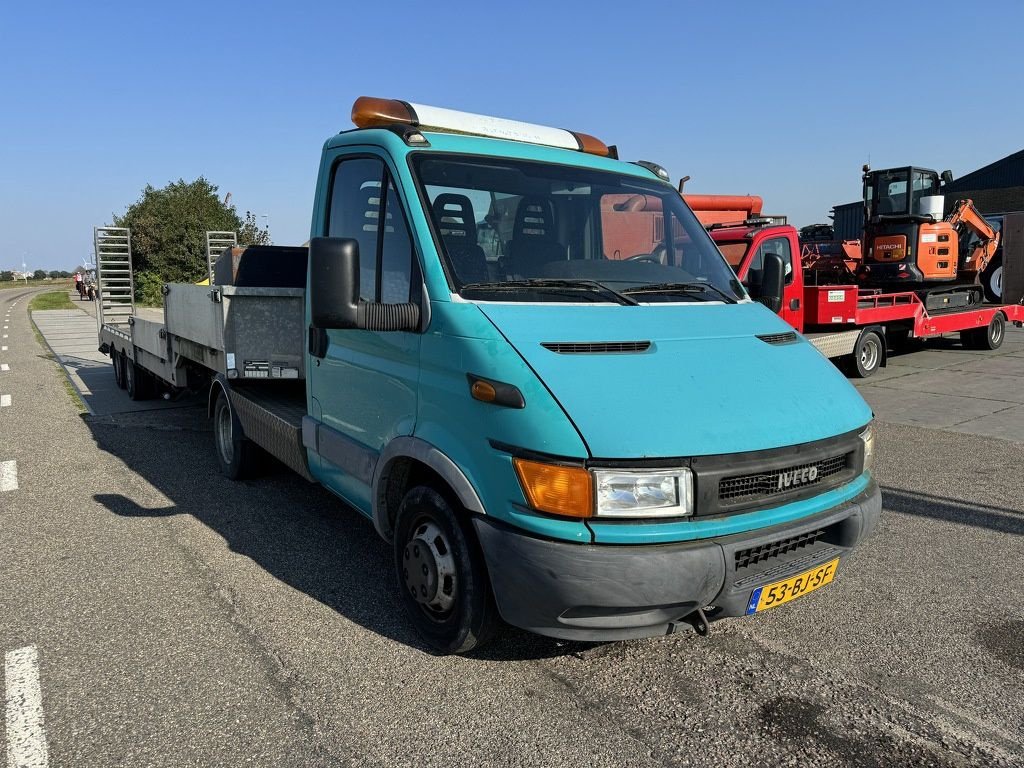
<point>966,220</point>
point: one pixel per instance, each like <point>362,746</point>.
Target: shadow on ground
<point>950,510</point>
<point>299,533</point>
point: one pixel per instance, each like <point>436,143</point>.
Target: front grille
<point>777,338</point>
<point>755,555</point>
<point>595,347</point>
<point>765,484</point>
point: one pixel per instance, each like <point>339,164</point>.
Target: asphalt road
<point>181,619</point>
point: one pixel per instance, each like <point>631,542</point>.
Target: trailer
<point>818,295</point>
<point>210,335</point>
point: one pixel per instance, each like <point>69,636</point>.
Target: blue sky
<point>785,100</point>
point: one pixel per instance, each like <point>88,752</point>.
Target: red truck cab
<point>745,246</point>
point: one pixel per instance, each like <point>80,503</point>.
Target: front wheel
<point>441,574</point>
<point>867,355</point>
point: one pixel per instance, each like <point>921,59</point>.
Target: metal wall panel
<point>848,220</point>
<point>1007,172</point>
<point>1013,258</point>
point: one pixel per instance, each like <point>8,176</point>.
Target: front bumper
<point>609,592</point>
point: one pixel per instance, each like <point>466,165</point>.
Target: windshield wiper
<point>684,288</point>
<point>545,283</point>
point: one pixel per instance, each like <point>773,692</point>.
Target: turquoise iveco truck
<point>525,361</point>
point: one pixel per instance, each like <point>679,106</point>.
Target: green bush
<point>148,289</point>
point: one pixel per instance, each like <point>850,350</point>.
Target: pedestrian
<point>78,284</point>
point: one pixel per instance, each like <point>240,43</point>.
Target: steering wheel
<point>657,256</point>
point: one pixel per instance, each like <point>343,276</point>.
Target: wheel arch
<point>406,461</point>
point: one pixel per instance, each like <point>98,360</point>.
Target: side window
<point>358,210</point>
<point>396,252</point>
<point>779,245</point>
<point>355,212</point>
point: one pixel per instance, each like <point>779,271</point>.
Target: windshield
<point>513,230</point>
<point>891,186</point>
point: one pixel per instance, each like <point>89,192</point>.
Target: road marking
<point>8,476</point>
<point>5,401</point>
<point>3,349</point>
<point>4,367</point>
<point>26,737</point>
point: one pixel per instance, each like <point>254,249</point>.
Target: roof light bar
<point>370,112</point>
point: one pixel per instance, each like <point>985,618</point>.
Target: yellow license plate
<point>781,592</point>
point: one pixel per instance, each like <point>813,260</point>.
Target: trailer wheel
<point>235,452</point>
<point>990,337</point>
<point>136,380</point>
<point>117,360</point>
<point>441,574</point>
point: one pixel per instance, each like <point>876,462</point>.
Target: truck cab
<point>524,362</point>
<point>745,246</point>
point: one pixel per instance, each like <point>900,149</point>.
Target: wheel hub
<point>429,569</point>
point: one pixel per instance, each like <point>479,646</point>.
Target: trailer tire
<point>989,337</point>
<point>867,354</point>
<point>438,558</point>
<point>236,454</point>
<point>117,360</point>
<point>136,380</point>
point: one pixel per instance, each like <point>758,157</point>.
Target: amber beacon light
<point>370,112</point>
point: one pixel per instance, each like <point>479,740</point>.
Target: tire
<point>136,380</point>
<point>118,363</point>
<point>236,454</point>
<point>990,337</point>
<point>437,557</point>
<point>867,355</point>
<point>992,280</point>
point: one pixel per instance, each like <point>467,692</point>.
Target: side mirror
<point>334,301</point>
<point>947,177</point>
<point>334,282</point>
<point>773,280</point>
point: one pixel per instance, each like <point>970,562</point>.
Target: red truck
<point>812,287</point>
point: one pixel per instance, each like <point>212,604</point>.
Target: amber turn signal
<point>556,489</point>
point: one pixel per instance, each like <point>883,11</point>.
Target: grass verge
<point>51,300</point>
<point>65,379</point>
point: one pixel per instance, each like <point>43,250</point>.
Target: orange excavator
<point>908,242</point>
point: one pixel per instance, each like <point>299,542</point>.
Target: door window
<point>779,245</point>
<point>358,208</point>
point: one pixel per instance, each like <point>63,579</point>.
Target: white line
<point>3,349</point>
<point>4,367</point>
<point>5,401</point>
<point>26,737</point>
<point>8,476</point>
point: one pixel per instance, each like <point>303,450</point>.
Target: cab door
<point>792,295</point>
<point>363,392</point>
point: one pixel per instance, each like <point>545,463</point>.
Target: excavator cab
<point>908,243</point>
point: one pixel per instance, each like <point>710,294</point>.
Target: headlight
<point>627,493</point>
<point>868,438</point>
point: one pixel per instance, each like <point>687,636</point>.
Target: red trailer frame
<point>849,305</point>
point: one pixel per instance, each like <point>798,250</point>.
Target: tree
<point>64,273</point>
<point>6,276</point>
<point>39,274</point>
<point>53,274</point>
<point>169,228</point>
<point>249,232</point>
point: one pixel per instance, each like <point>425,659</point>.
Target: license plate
<point>780,592</point>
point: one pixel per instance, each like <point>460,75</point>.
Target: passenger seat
<point>454,218</point>
<point>533,238</point>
